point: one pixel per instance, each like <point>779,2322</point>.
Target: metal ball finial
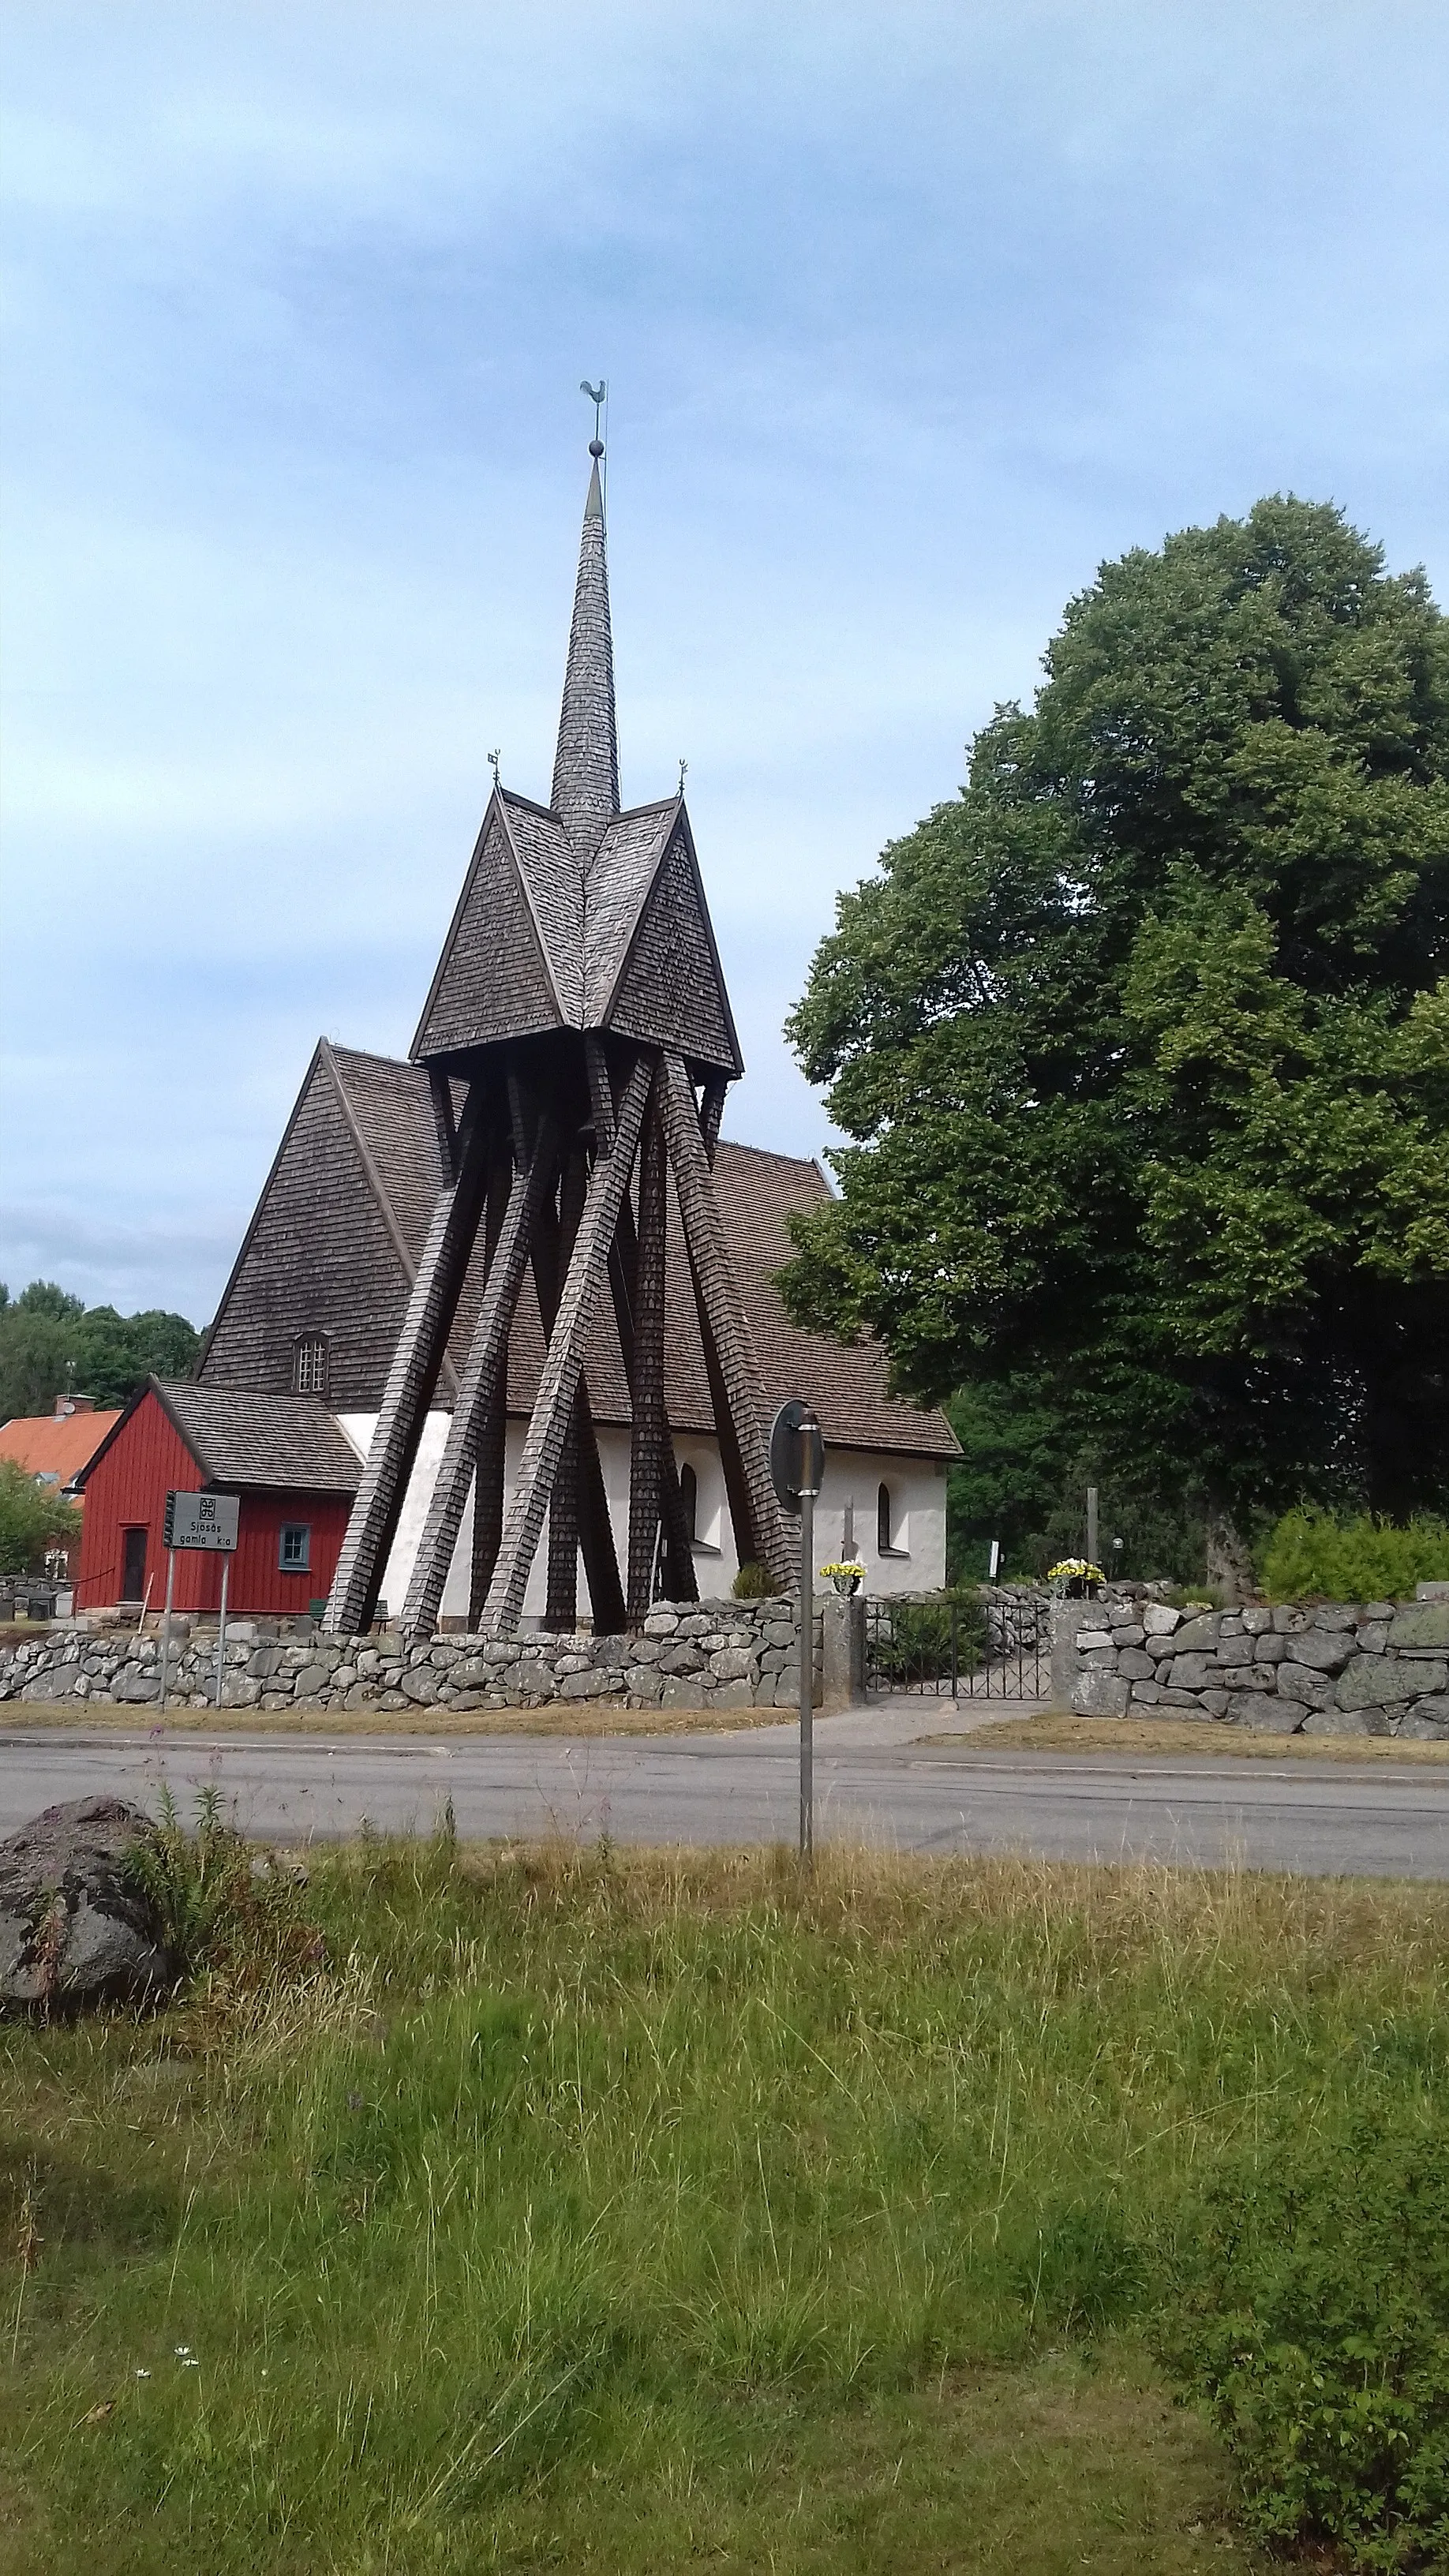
<point>596,447</point>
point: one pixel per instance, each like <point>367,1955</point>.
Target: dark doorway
<point>133,1575</point>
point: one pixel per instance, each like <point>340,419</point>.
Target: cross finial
<point>682,768</point>
<point>598,395</point>
<point>494,758</point>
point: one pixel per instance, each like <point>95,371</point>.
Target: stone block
<point>1373,1636</point>
<point>275,1699</point>
<point>1346,1721</point>
<point>1426,1721</point>
<point>238,1690</point>
<point>1258,1677</point>
<point>420,1686</point>
<point>1134,1665</point>
<point>1303,1683</point>
<point>310,1680</point>
<point>1376,1681</point>
<point>1426,1624</point>
<point>264,1661</point>
<point>362,1695</point>
<point>1378,1610</point>
<point>1192,1672</point>
<point>595,1682</point>
<point>1100,1694</point>
<point>678,1691</point>
<point>1335,1617</point>
<point>1159,1620</point>
<point>1091,1640</point>
<point>1132,1633</point>
<point>737,1694</point>
<point>645,1686</point>
<point>681,1659</point>
<point>1256,1623</point>
<point>731,1664</point>
<point>1199,1635</point>
<point>1145,1695</point>
<point>1262,1714</point>
<point>1214,1702</point>
<point>1102,1659</point>
<point>1268,1648</point>
<point>392,1699</point>
<point>661,1623</point>
<point>1326,1652</point>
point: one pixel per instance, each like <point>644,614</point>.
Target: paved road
<point>742,1788</point>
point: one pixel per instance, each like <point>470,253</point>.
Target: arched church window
<point>689,1496</point>
<point>310,1364</point>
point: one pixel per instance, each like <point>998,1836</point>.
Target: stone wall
<point>1325,1668</point>
<point>708,1655</point>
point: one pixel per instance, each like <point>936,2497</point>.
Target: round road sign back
<point>797,1454</point>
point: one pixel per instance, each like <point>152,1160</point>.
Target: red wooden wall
<point>128,1491</point>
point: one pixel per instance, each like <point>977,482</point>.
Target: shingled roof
<point>575,915</point>
<point>338,1234</point>
<point>259,1443</point>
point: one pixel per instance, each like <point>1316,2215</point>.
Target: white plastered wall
<point>846,1516</point>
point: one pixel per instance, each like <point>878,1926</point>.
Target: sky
<point>911,317</point>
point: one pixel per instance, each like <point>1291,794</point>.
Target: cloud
<point>910,317</point>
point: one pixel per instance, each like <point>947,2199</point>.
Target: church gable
<point>492,980</point>
<point>671,991</point>
<point>319,1263</point>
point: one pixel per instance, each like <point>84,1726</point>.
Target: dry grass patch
<point>576,1718</point>
<point>1187,1738</point>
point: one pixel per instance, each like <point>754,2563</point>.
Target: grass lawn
<point>651,2212</point>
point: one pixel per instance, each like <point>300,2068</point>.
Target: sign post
<point>797,1470</point>
<point>208,1524</point>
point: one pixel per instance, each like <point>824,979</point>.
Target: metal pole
<point>1092,1556</point>
<point>955,1666</point>
<point>166,1622</point>
<point>221,1626</point>
<point>807,1676</point>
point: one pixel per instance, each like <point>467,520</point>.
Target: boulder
<point>74,1932</point>
<point>1159,1621</point>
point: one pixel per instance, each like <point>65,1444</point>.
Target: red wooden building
<point>285,1456</point>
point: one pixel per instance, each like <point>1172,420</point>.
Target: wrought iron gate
<point>995,1645</point>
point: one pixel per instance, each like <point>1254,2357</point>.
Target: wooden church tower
<point>579,1043</point>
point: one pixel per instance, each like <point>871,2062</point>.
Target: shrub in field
<point>1315,2317</point>
<point>1352,1560</point>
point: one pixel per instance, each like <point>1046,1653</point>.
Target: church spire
<point>586,763</point>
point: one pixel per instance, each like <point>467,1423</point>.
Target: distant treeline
<point>51,1343</point>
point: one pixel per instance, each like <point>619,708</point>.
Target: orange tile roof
<point>54,1444</point>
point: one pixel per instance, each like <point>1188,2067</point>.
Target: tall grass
<point>558,2218</point>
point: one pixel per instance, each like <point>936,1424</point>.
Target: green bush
<point>1315,2318</point>
<point>752,1583</point>
<point>1352,1560</point>
<point>913,1638</point>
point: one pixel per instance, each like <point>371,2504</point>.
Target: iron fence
<point>992,1645</point>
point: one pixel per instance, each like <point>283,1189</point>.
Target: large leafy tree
<point>1143,1043</point>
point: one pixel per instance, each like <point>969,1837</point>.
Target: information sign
<point>202,1520</point>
